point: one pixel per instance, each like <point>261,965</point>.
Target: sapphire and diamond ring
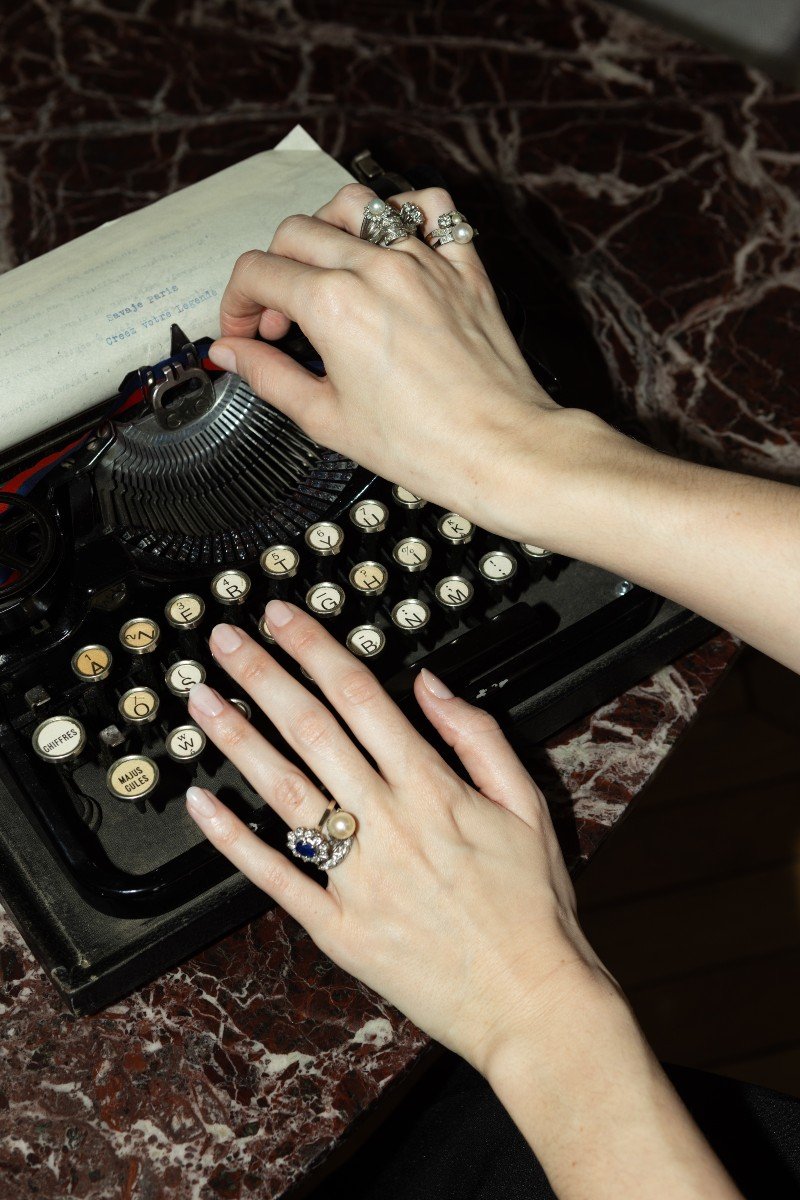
<point>328,842</point>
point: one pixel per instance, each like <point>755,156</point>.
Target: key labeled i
<point>230,588</point>
<point>185,743</point>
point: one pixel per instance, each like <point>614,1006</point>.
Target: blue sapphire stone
<point>305,849</point>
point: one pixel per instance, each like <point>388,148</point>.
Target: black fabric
<point>451,1139</point>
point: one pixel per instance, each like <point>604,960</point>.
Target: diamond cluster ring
<point>382,224</point>
<point>328,842</point>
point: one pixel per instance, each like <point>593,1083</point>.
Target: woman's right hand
<point>425,384</point>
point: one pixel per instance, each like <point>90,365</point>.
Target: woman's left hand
<point>454,902</point>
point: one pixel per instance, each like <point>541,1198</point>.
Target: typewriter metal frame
<point>100,934</point>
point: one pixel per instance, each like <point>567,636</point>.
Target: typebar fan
<point>237,478</point>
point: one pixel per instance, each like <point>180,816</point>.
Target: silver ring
<point>317,846</point>
<point>451,227</point>
<point>382,225</point>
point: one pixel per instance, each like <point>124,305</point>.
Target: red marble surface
<point>656,186</point>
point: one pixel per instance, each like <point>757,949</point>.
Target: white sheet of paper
<point>75,321</point>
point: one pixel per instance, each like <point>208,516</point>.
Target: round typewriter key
<point>366,641</point>
<point>243,707</point>
<point>324,538</point>
<point>182,676</point>
<point>230,587</point>
<point>279,562</point>
<point>185,743</point>
<point>369,516</point>
<point>455,529</point>
<point>139,705</point>
<point>531,551</point>
<point>325,599</point>
<point>92,663</point>
<point>369,578</point>
<point>412,554</point>
<point>407,499</point>
<point>264,630</point>
<point>185,611</point>
<point>132,777</point>
<point>140,635</point>
<point>59,739</point>
<point>497,566</point>
<point>411,615</point>
<point>454,591</point>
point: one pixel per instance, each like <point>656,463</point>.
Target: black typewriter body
<point>185,501</point>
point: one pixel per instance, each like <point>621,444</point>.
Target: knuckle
<point>230,736</point>
<point>292,792</point>
<point>252,671</point>
<point>294,223</point>
<point>359,687</point>
<point>312,729</point>
<point>356,191</point>
<point>228,833</point>
<point>305,639</point>
<point>247,260</point>
<point>272,875</point>
<point>334,293</point>
<point>434,201</point>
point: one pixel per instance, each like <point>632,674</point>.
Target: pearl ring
<point>328,842</point>
<point>451,227</point>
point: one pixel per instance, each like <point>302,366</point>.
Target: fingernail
<point>199,802</point>
<point>226,638</point>
<point>223,356</point>
<point>278,613</point>
<point>435,685</point>
<point>205,700</point>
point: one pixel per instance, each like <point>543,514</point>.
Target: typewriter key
<point>243,707</point>
<point>185,743</point>
<point>410,615</point>
<point>185,611</point>
<point>369,516</point>
<point>92,663</point>
<point>369,578</point>
<point>366,641</point>
<point>454,591</point>
<point>182,676</point>
<point>454,529</point>
<point>279,562</point>
<point>325,599</point>
<point>132,777</point>
<point>324,538</point>
<point>537,560</point>
<point>139,635</point>
<point>59,739</point>
<point>264,630</point>
<point>531,551</point>
<point>497,567</point>
<point>407,499</point>
<point>230,587</point>
<point>139,705</point>
<point>412,554</point>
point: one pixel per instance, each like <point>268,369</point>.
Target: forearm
<point>598,1110</point>
<point>724,545</point>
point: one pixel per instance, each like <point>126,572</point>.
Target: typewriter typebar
<point>185,501</point>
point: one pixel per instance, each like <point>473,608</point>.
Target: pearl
<point>341,825</point>
<point>376,206</point>
<point>463,233</point>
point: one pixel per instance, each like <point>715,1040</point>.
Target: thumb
<point>480,744</point>
<point>277,378</point>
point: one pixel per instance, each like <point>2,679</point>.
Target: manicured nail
<point>278,613</point>
<point>227,638</point>
<point>435,685</point>
<point>200,803</point>
<point>223,356</point>
<point>206,700</point>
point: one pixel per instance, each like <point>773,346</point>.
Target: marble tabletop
<point>656,185</point>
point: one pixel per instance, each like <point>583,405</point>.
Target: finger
<point>303,898</point>
<point>302,720</point>
<point>353,690</point>
<point>277,378</point>
<point>318,243</point>
<point>433,203</point>
<point>261,280</point>
<point>285,788</point>
<point>480,744</point>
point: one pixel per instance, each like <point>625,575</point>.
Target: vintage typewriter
<point>185,500</point>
